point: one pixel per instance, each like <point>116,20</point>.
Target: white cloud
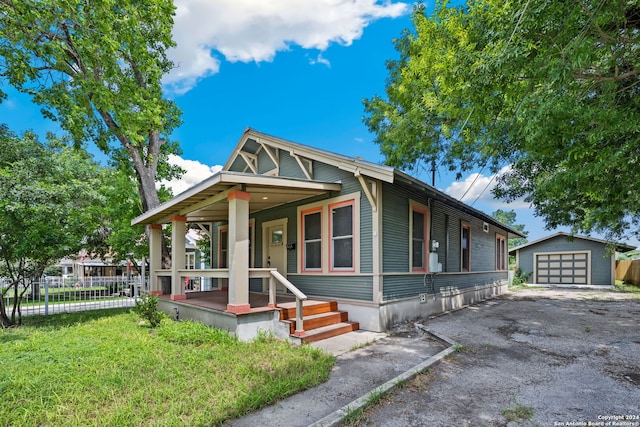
<point>255,30</point>
<point>320,60</point>
<point>195,172</point>
<point>478,186</point>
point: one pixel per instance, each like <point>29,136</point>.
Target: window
<point>465,249</point>
<point>312,240</point>
<point>501,252</point>
<point>419,237</point>
<point>223,246</point>
<point>190,260</point>
<point>341,236</point>
<point>328,233</point>
<point>223,241</point>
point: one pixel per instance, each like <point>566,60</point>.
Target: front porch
<point>321,319</point>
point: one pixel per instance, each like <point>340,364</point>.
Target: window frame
<point>303,249</point>
<point>465,226</point>
<point>424,210</point>
<point>501,252</point>
<point>325,207</point>
<point>332,238</point>
<point>225,229</point>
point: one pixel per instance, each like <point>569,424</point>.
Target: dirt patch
<point>572,356</point>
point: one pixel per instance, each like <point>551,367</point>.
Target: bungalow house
<point>295,228</point>
<point>563,259</point>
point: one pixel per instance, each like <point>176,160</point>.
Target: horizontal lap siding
<point>395,229</point>
<point>407,286</point>
<point>333,286</point>
<point>600,264</point>
<point>330,285</point>
<point>445,227</point>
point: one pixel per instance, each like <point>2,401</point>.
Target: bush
<point>520,277</point>
<point>147,308</point>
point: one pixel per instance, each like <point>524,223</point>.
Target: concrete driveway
<point>537,357</point>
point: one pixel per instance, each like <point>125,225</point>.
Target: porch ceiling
<point>207,201</point>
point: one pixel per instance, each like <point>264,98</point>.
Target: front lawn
<point>103,368</point>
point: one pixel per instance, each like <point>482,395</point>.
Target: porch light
<point>265,198</point>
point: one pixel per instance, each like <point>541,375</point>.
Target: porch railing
<point>254,273</point>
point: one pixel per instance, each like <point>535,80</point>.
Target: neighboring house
<point>296,220</point>
<point>562,259</point>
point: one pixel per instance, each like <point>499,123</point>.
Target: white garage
<point>562,268</point>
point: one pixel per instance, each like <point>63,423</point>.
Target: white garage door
<point>562,269</point>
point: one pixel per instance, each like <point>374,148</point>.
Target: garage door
<point>562,269</point>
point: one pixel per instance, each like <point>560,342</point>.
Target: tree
<point>509,218</point>
<point>96,67</point>
<point>50,205</point>
<point>548,88</point>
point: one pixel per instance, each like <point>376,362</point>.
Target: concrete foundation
<point>391,313</point>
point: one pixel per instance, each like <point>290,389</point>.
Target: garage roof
<point>620,247</point>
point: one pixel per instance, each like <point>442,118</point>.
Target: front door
<point>275,248</point>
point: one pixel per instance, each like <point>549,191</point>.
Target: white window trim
<point>413,205</point>
<point>326,237</point>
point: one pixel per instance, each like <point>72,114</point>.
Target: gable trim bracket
<point>369,188</point>
<point>305,164</point>
<point>251,160</point>
<point>273,155</point>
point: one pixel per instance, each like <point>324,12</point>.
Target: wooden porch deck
<point>217,300</point>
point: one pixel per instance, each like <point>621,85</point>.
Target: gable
<point>263,154</point>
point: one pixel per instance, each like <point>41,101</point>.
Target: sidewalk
<point>365,361</point>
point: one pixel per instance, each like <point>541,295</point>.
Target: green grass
<point>103,368</point>
<point>620,286</point>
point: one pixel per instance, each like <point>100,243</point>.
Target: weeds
<point>180,373</point>
<point>518,413</point>
<point>147,308</point>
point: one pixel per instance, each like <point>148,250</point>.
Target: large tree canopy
<point>96,67</point>
<point>549,88</point>
<point>51,204</point>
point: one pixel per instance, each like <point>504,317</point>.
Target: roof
<point>209,197</point>
<point>347,163</point>
<point>207,201</point>
<point>359,166</point>
<point>620,247</point>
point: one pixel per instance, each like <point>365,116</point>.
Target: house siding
<point>599,265</point>
<point>335,286</point>
<point>356,287</point>
<point>410,285</point>
<point>445,227</point>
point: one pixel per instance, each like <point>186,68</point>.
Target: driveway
<point>537,357</point>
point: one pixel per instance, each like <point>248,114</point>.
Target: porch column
<point>178,242</point>
<point>238,252</point>
<point>155,258</point>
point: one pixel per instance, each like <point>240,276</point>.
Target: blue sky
<point>294,69</point>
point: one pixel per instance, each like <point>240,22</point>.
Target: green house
<point>293,226</point>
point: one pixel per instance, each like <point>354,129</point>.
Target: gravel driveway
<point>537,357</point>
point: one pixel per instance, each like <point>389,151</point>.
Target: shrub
<point>147,308</point>
<point>520,277</point>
